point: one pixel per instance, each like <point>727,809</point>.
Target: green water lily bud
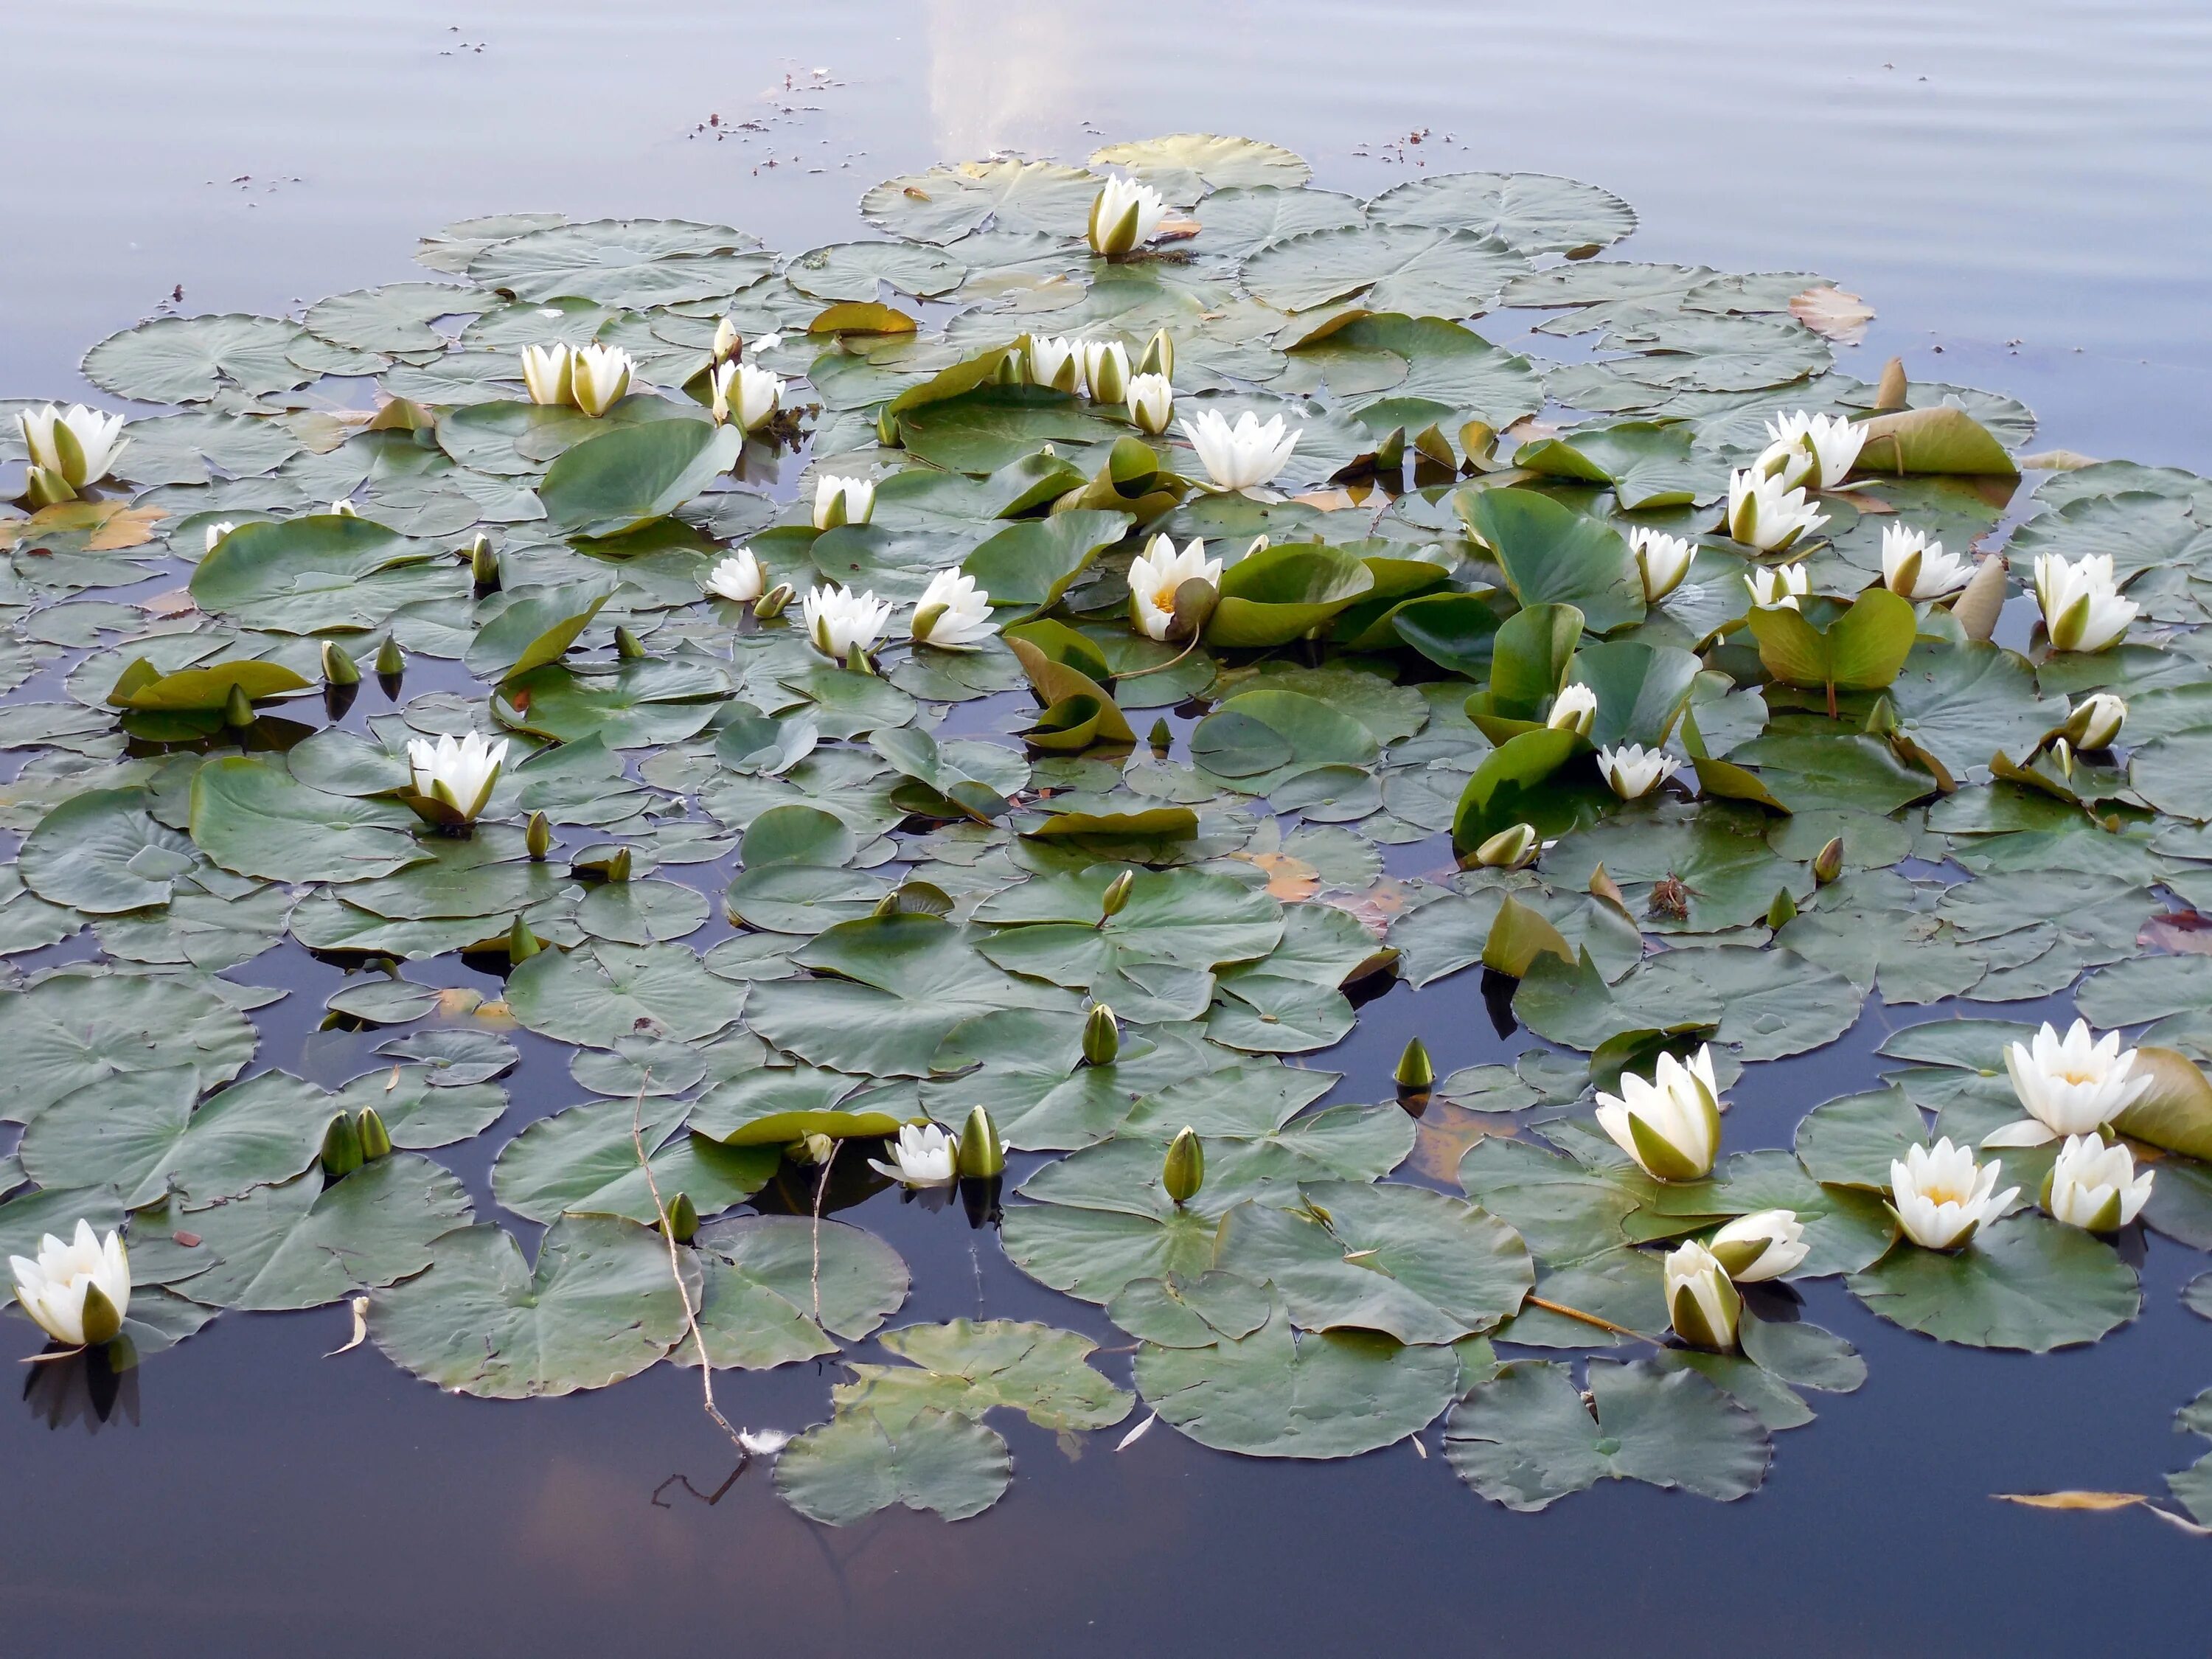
<point>338,669</point>
<point>682,1218</point>
<point>537,836</point>
<point>1102,1036</point>
<point>43,487</point>
<point>375,1139</point>
<point>772,603</point>
<point>390,659</point>
<point>238,708</point>
<point>628,645</point>
<point>1702,1301</point>
<point>342,1147</point>
<point>982,1154</point>
<point>1603,886</point>
<point>484,563</point>
<point>2062,752</point>
<point>2096,721</point>
<point>1159,357</point>
<point>619,866</point>
<point>1116,895</point>
<point>1828,862</point>
<point>1161,738</point>
<point>521,943</point>
<point>1415,1070</point>
<point>1508,849</point>
<point>1783,911</point>
<point>1184,1170</point>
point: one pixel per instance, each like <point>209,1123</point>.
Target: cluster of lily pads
<point>1014,646</point>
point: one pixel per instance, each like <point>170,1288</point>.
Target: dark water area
<point>2017,188</point>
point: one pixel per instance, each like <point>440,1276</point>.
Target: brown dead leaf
<point>1328,501</point>
<point>177,602</point>
<point>1289,879</point>
<point>1834,313</point>
<point>127,527</point>
<point>1374,909</point>
<point>1445,1133</point>
<point>1530,430</point>
<point>2056,460</point>
<point>2184,932</point>
<point>2072,1500</point>
<point>190,1241</point>
<point>456,1000</point>
<point>498,1016</point>
<point>1176,230</point>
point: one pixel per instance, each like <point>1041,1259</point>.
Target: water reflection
<point>84,1389</point>
<point>1007,77</point>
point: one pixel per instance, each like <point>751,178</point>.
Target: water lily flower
<point>2070,1087</point>
<point>1635,771</point>
<point>738,578</point>
<point>550,373</point>
<point>1830,443</point>
<point>727,341</point>
<point>1124,215</point>
<point>1670,1125</point>
<point>1661,560</point>
<point>1778,587</point>
<point>1766,514</point>
<point>456,777</point>
<point>2083,610</point>
<point>77,1292</point>
<point>78,447</point>
<point>1509,848</point>
<point>1245,455</point>
<point>2095,722</point>
<point>2095,1187</point>
<point>1940,1196</point>
<point>344,508</point>
<point>1573,710</point>
<point>954,614</point>
<point>841,622</point>
<point>745,394</point>
<point>598,377</point>
<point>1914,568</point>
<point>1106,370</point>
<point>1056,361</point>
<point>844,500</point>
<point>1702,1305</point>
<point>1765,1244</point>
<point>216,532</point>
<point>922,1156</point>
<point>1152,402</point>
<point>1158,573</point>
<point>1790,464</point>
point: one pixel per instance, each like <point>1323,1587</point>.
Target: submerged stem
<point>675,1266</point>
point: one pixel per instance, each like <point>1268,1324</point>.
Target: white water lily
<point>953,614</point>
<point>1830,443</point>
<point>1635,771</point>
<point>549,372</point>
<point>598,375</point>
<point>1767,514</point>
<point>1056,361</point>
<point>1661,560</point>
<point>1702,1303</point>
<point>76,1292</point>
<point>1106,370</point>
<point>738,578</point>
<point>2069,1086</point>
<point>1151,404</point>
<point>1791,465</point>
<point>922,1156</point>
<point>2094,722</point>
<point>1765,1244</point>
<point>216,532</point>
<point>1573,710</point>
<point>1246,456</point>
<point>2094,1186</point>
<point>1670,1125</point>
<point>2083,610</point>
<point>727,341</point>
<point>1778,587</point>
<point>456,777</point>
<point>344,508</point>
<point>1158,573</point>
<point>746,395</point>
<point>1914,568</point>
<point>77,447</point>
<point>1125,214</point>
<point>844,500</point>
<point>1941,1196</point>
<point>841,622</point>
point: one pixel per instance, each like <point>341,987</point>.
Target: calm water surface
<point>2018,188</point>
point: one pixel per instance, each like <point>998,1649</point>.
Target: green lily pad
<point>847,1469</point>
<point>2026,1282</point>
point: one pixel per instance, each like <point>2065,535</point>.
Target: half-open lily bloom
<point>1940,1196</point>
<point>1778,586</point>
<point>2083,610</point>
<point>1791,464</point>
<point>844,500</point>
<point>954,614</point>
<point>78,447</point>
<point>1155,576</point>
<point>1670,1125</point>
<point>1635,771</point>
<point>2094,722</point>
<point>738,578</point>
<point>1765,1244</point>
<point>1124,215</point>
<point>1106,370</point>
<point>549,372</point>
<point>1702,1305</point>
<point>1832,442</point>
<point>1151,404</point>
<point>1661,560</point>
<point>598,375</point>
<point>1573,710</point>
<point>746,395</point>
<point>922,1156</point>
<point>216,532</point>
<point>2095,1187</point>
<point>77,1292</point>
<point>841,622</point>
<point>2070,1087</point>
<point>1914,568</point>
<point>1767,514</point>
<point>727,341</point>
<point>1055,361</point>
<point>453,782</point>
<point>1247,456</point>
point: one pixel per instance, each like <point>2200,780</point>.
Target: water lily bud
<point>1828,862</point>
<point>1575,709</point>
<point>338,669</point>
<point>1124,215</point>
<point>1783,911</point>
<point>1106,371</point>
<point>1184,1171</point>
<point>2096,721</point>
<point>550,373</point>
<point>1116,894</point>
<point>521,943</point>
<point>682,1218</point>
<point>726,341</point>
<point>815,1149</point>
<point>981,1154</point>
<point>342,1147</point>
<point>628,645</point>
<point>1508,849</point>
<point>1702,1303</point>
<point>1765,1244</point>
<point>1415,1069</point>
<point>1671,1126</point>
<point>887,429</point>
<point>1161,736</point>
<point>598,375</point>
<point>841,501</point>
<point>2063,752</point>
<point>617,867</point>
<point>390,659</point>
<point>375,1139</point>
<point>344,508</point>
<point>772,603</point>
<point>1159,357</point>
<point>1603,886</point>
<point>77,1290</point>
<point>1151,404</point>
<point>1102,1036</point>
<point>483,564</point>
<point>43,487</point>
<point>537,836</point>
<point>237,709</point>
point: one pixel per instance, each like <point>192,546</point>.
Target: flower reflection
<point>82,1389</point>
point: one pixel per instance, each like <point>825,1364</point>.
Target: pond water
<point>2012,187</point>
